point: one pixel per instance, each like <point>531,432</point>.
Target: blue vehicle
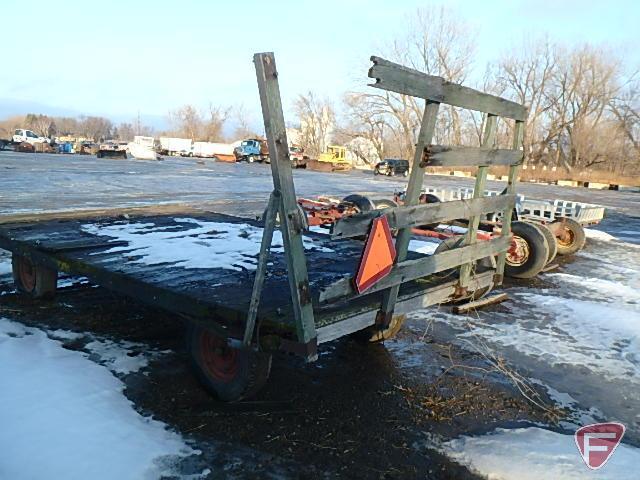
<point>252,150</point>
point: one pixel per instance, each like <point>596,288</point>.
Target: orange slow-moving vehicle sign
<point>378,256</point>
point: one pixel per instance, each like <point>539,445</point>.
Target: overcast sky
<point>115,57</point>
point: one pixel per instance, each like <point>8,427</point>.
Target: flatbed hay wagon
<point>246,289</point>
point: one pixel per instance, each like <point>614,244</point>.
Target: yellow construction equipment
<point>333,160</point>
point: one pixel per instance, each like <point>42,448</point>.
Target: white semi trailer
<point>182,147</point>
<point>221,151</point>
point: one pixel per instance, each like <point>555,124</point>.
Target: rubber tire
<point>457,242</point>
<point>253,369</point>
<point>429,198</point>
<point>551,241</point>
<point>579,237</point>
<point>384,203</point>
<point>362,203</point>
<point>374,335</point>
<point>538,251</point>
<point>376,172</point>
<point>250,159</point>
<point>46,280</point>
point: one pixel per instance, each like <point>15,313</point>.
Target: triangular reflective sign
<point>378,256</point>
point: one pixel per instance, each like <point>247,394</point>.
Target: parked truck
<point>297,156</point>
<point>252,150</point>
<point>180,147</point>
<point>22,135</point>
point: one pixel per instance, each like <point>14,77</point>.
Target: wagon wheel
<point>384,203</point>
<point>571,237</point>
<point>551,241</point>
<point>375,334</point>
<point>429,198</point>
<point>230,373</point>
<point>360,202</point>
<point>528,252</point>
<point>32,279</point>
<point>457,242</point>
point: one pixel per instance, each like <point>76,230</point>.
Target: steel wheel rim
<point>518,253</point>
<point>219,360</point>
<point>27,275</point>
<point>567,238</point>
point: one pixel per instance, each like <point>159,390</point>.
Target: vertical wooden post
<point>291,224</point>
<point>488,141</point>
<point>412,197</point>
<point>511,188</point>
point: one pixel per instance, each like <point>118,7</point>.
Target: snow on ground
<point>205,244</point>
<point>581,338</point>
<point>5,264</point>
<point>120,357</point>
<point>536,454</point>
<point>64,416</point>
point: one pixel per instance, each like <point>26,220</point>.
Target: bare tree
<point>583,85</point>
<point>95,128</point>
<point>187,122</point>
<point>243,128</point>
<point>41,124</point>
<point>317,122</point>
<point>214,127</point>
<point>436,42</point>
<point>526,74</point>
<point>8,126</point>
<point>125,131</point>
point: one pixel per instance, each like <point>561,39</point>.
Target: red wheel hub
<point>220,360</point>
<point>27,274</point>
<point>518,252</point>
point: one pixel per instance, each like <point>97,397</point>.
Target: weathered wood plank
<point>446,156</point>
<point>414,269</point>
<point>400,79</point>
<point>483,302</point>
<point>412,197</point>
<point>423,214</point>
<point>488,141</point>
<point>511,188</point>
<point>268,86</point>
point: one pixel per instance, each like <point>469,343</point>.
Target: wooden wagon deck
<point>200,265</point>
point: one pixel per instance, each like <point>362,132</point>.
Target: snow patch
<point>121,357</point>
<point>605,290</point>
<point>534,453</point>
<point>64,416</point>
<point>422,246</point>
<point>600,337</point>
<point>5,266</point>
<point>232,246</point>
<point>594,234</point>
